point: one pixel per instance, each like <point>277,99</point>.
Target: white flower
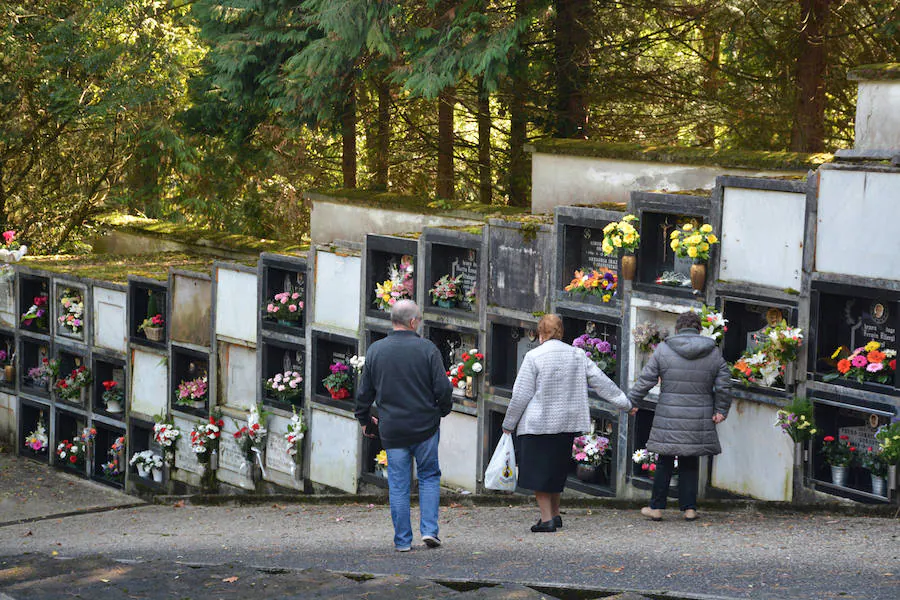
<point>212,428</point>
<point>639,455</point>
<point>462,384</point>
<point>277,378</point>
<point>473,351</point>
<point>476,367</point>
<point>62,454</point>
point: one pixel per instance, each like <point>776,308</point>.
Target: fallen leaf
<point>231,579</point>
<point>105,580</point>
<point>338,519</point>
<point>888,574</point>
<point>612,569</point>
<point>54,553</point>
<point>455,505</point>
<point>179,504</point>
<point>685,554</point>
<point>27,533</point>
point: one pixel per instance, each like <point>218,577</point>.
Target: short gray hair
<point>405,311</point>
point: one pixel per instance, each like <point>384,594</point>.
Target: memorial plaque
<point>184,456</point>
<point>230,456</point>
<point>873,323</point>
<point>277,457</point>
<point>466,268</point>
<point>526,340</point>
<point>110,321</point>
<point>8,316</point>
<point>236,304</point>
<point>149,383</point>
<point>239,366</point>
<point>519,269</point>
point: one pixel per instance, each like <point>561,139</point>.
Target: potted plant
<point>153,324</point>
<point>796,420</point>
<point>285,387</point>
<point>875,462</point>
<point>72,454</point>
<point>296,430</point>
<point>599,351</point>
<point>166,434</point>
<point>871,362</point>
<point>73,387</point>
<point>622,238</point>
<point>462,375</point>
<point>285,307</point>
<point>770,364</point>
<point>688,242</point>
<point>399,285</point>
<point>646,460</point>
<point>148,464</point>
<point>381,464</point>
<point>339,382</point>
<point>192,393</point>
<point>113,397</point>
<point>839,455</point>
<point>71,307</point>
<point>600,283</point>
<point>36,316</point>
<point>447,291</point>
<point>10,249</point>
<point>590,452</point>
<point>37,440</point>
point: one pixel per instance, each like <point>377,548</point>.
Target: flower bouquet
<point>888,437</point>
<point>599,351</point>
<point>205,440</point>
<point>874,462</point>
<point>36,316</point>
<point>381,463</point>
<point>296,431</point>
<point>871,362</point>
<point>767,364</point>
<point>285,307</point>
<point>251,438</point>
<point>166,435</point>
<point>42,375</point>
<point>621,236</point>
<point>688,242</point>
<point>285,387</point>
<point>10,249</point>
<point>154,323</point>
<point>590,452</point>
<point>339,383</point>
<point>113,397</point>
<point>72,454</point>
<point>398,286</point>
<point>192,392</point>
<point>713,324</point>
<point>648,335</point>
<point>447,291</point>
<point>71,305</point>
<point>462,374</point>
<point>673,279</point>
<point>112,469</point>
<point>73,387</point>
<point>37,440</point>
<point>647,461</point>
<point>796,420</point>
<point>601,283</point>
<point>148,464</point>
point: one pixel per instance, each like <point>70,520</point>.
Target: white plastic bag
<point>501,471</point>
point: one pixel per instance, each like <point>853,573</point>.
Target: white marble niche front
<point>334,450</point>
<point>236,304</point>
<point>149,383</point>
<point>110,320</point>
<point>642,311</point>
<point>337,290</point>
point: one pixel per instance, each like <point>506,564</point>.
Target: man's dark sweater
<point>405,377</point>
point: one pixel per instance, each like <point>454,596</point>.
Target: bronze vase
<point>698,276</point>
<point>629,267</point>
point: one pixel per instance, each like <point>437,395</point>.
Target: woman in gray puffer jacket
<point>694,397</point>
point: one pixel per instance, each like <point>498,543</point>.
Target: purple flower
<point>604,347</point>
<point>579,341</point>
<point>339,367</point>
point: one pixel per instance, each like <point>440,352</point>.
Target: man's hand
<point>718,418</point>
<point>633,411</point>
<point>373,421</point>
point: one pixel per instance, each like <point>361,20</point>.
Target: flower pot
<point>586,472</point>
<point>381,472</point>
<point>285,322</point>
<point>198,404</point>
<point>892,478</point>
<point>114,406</point>
<point>169,457</point>
<point>9,371</point>
<point>82,396</point>
<point>879,485</point>
<point>471,392</point>
<point>157,475</point>
<point>340,394</point>
<point>142,470</point>
<point>839,475</point>
<point>213,460</point>
<point>447,303</point>
<point>698,276</point>
<point>629,267</point>
<point>154,334</point>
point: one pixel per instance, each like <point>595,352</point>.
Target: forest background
<point>220,113</point>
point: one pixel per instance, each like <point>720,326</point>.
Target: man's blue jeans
<point>399,475</point>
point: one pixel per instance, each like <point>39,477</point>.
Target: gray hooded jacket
<point>695,384</point>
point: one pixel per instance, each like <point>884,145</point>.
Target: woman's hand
<point>633,411</point>
<point>507,431</point>
<point>718,418</point>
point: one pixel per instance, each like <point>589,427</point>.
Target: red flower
<point>845,437</point>
<point>852,448</point>
<point>45,360</point>
<point>255,427</point>
<point>479,356</point>
<point>73,459</point>
<point>869,449</point>
<point>893,365</point>
<point>109,385</point>
<point>828,438</point>
<point>448,373</point>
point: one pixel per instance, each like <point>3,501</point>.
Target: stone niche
<point>452,342</point>
<point>33,289</point>
<point>186,462</point>
<point>457,254</point>
<point>68,426</point>
<point>766,471</point>
<point>191,308</point>
<point>835,415</point>
<point>384,253</point>
<point>658,268</point>
<point>328,348</point>
<point>337,289</point>
<point>106,368</point>
<point>374,334</point>
<point>868,222</point>
<point>145,297</point>
<point>233,468</point>
<point>149,391</point>
<point>189,365</point>
<point>577,323</point>
<point>70,359</point>
<point>334,450</point>
<point>642,311</point>
<point>603,481</point>
<point>102,446</point>
<point>279,357</point>
<point>7,346</point>
<point>459,449</point>
<point>520,265</point>
<point>8,315</point>
<point>30,414</point>
<point>237,376</point>
<point>32,353</point>
<point>236,304</point>
<point>369,472</point>
<point>288,274</point>
<point>110,321</point>
<point>67,296</point>
<point>579,234</point>
<point>279,464</point>
<point>140,438</point>
<point>848,317</point>
<point>508,342</point>
<point>763,232</point>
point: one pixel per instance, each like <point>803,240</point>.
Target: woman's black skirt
<point>544,461</point>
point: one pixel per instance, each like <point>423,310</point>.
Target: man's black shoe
<point>543,527</point>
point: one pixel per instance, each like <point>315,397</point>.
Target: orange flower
<point>843,366</point>
<point>742,367</point>
<point>875,356</point>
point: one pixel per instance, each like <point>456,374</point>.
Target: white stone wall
<point>8,420</point>
<point>236,305</point>
<point>337,290</point>
<point>110,319</point>
<point>334,446</point>
<point>458,451</point>
<point>878,115</point>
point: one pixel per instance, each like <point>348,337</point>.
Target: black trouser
<point>688,481</point>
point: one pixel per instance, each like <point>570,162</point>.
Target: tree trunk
<point>709,50</point>
<point>348,138</point>
<point>518,121</point>
<point>446,102</point>
<point>382,161</point>
<point>808,132</point>
<point>485,186</point>
<point>572,54</point>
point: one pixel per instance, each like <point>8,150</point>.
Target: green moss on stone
<point>115,268</point>
<point>414,204</point>
<point>739,159</point>
<point>877,72</point>
<point>615,206</point>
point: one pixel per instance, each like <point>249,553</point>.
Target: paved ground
<point>742,554</point>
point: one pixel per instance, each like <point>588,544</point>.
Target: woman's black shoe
<point>543,527</point>
<point>557,520</point>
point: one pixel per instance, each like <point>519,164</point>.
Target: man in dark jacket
<point>405,377</point>
<point>694,397</point>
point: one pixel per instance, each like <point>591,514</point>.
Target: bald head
<point>403,313</point>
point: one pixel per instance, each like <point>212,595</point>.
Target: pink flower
<point>874,367</point>
<point>295,296</point>
<point>581,456</point>
<point>9,236</point>
<point>292,308</point>
<point>300,304</point>
<point>859,361</point>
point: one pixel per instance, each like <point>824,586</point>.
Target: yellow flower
<point>617,241</point>
<point>837,352</point>
<point>675,234</point>
<point>692,252</point>
<point>609,228</point>
<point>873,345</point>
<point>606,247</point>
<point>675,244</point>
<point>712,239</point>
<point>626,228</point>
<point>812,431</point>
<point>607,297</point>
<point>696,239</point>
<point>706,228</point>
<point>687,227</point>
<point>704,247</point>
<point>629,238</point>
<point>629,218</point>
